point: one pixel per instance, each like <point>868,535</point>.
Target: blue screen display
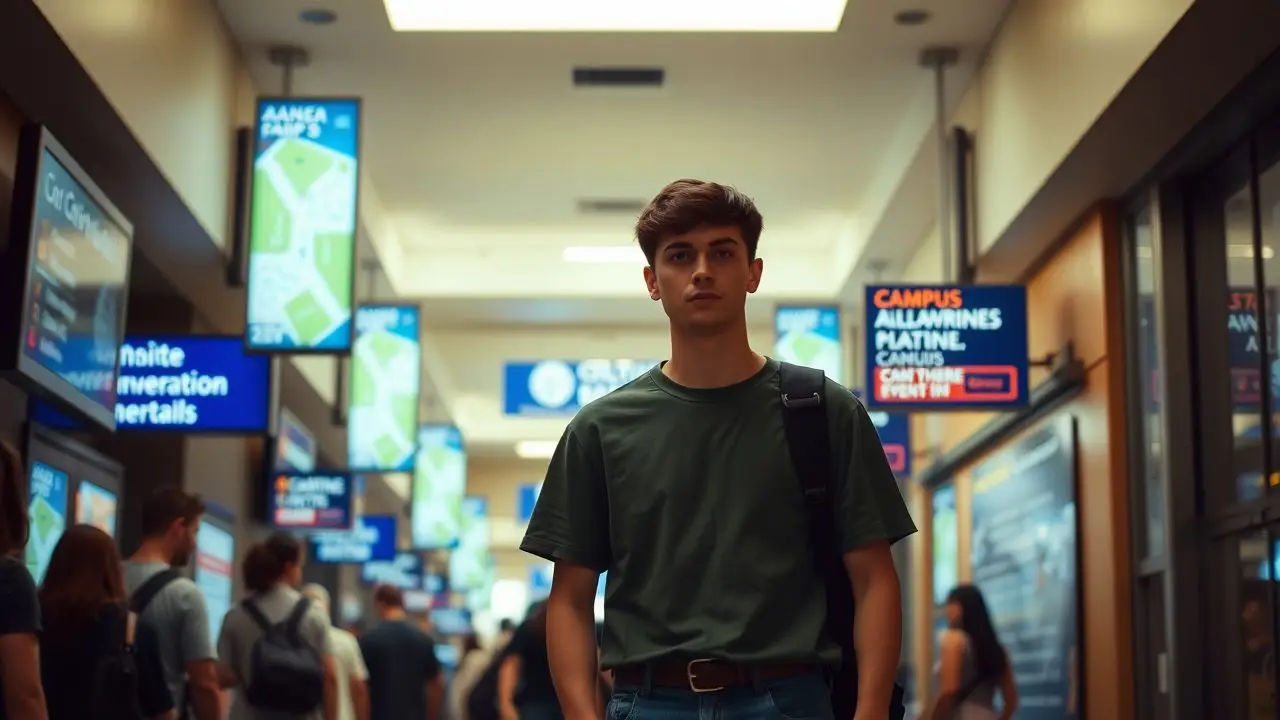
<point>526,498</point>
<point>810,336</point>
<point>562,387</point>
<point>74,312</point>
<point>193,384</point>
<point>302,225</point>
<point>372,538</point>
<point>382,408</point>
<point>311,501</point>
<point>295,445</point>
<point>895,437</point>
<point>404,572</point>
<point>939,347</point>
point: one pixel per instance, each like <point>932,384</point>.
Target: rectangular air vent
<point>618,77</point>
<point>610,206</point>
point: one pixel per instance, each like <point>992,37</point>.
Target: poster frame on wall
<point>1066,429</point>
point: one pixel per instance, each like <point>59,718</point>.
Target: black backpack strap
<point>804,419</point>
<point>147,592</point>
<point>251,609</point>
<point>295,620</point>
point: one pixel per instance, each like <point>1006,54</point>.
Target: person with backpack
<point>171,603</point>
<point>742,507</point>
<point>97,662</point>
<point>274,644</point>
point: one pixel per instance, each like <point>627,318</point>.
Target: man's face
<point>184,541</point>
<point>703,277</point>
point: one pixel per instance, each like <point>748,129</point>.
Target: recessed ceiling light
<point>912,17</point>
<point>318,16</point>
<point>615,15</point>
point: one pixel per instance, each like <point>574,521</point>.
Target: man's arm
<point>204,682</point>
<point>357,677</point>
<point>870,516</point>
<point>570,527</point>
<point>22,694</point>
<point>571,640</point>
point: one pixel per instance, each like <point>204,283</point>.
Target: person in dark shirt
<point>405,681</point>
<point>525,690</point>
<point>87,622</point>
<point>21,694</point>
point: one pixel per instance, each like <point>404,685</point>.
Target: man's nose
<point>702,270</point>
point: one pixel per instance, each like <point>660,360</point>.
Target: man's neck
<point>712,361</point>
<point>395,614</point>
<point>151,551</point>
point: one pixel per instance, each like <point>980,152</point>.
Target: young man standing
<point>680,484</point>
<point>170,521</point>
<point>405,680</point>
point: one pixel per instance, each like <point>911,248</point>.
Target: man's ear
<point>755,270</point>
<point>651,282</point>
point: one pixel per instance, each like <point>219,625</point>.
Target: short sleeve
<point>227,650</point>
<point>153,692</point>
<point>19,604</point>
<point>570,521</point>
<point>353,658</point>
<point>195,640</point>
<point>314,630</point>
<point>869,505</point>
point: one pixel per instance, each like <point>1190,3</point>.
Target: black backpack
<point>141,598</point>
<point>285,675</point>
<point>804,417</point>
<point>114,686</point>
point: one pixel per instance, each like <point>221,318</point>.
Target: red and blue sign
<point>937,347</point>
<point>895,437</point>
<point>311,501</point>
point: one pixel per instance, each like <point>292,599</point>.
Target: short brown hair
<point>14,525</point>
<point>388,596</point>
<point>686,205</point>
<point>265,563</point>
<point>167,504</point>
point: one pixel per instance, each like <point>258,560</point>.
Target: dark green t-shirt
<point>687,497</point>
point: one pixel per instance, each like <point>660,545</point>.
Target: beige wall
<point>498,480</point>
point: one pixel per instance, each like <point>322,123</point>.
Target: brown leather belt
<point>710,675</point>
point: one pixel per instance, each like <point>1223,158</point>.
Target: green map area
<point>384,400</point>
<point>47,526</point>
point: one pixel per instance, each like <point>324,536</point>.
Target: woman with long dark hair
<point>974,665</point>
<point>21,696</point>
<point>272,574</point>
<point>91,638</point>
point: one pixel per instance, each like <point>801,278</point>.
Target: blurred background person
<point>21,695</point>
<point>974,665</point>
<point>405,678</point>
<point>471,665</point>
<point>525,690</point>
<point>96,659</point>
<point>348,663</point>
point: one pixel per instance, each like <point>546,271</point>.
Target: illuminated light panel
<point>619,254</point>
<point>615,15</point>
<point>536,449</point>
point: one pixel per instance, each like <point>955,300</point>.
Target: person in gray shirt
<point>272,573</point>
<point>170,520</point>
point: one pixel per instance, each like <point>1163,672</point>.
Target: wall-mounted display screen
<point>946,347</point>
<point>68,482</point>
<point>469,561</point>
<point>96,506</point>
<point>215,559</point>
<point>404,572</point>
<point>47,491</point>
<point>295,445</point>
<point>810,336</point>
<point>439,484</point>
<point>187,383</point>
<point>302,225</point>
<point>311,501</point>
<point>67,267</point>
<point>373,537</point>
<point>562,387</point>
<point>452,621</point>
<point>386,369</point>
<point>526,498</point>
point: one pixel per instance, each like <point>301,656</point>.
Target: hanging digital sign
<point>372,538</point>
<point>404,572</point>
<point>526,497</point>
<point>810,336</point>
<point>311,501</point>
<point>386,372</point>
<point>947,347</point>
<point>295,445</point>
<point>302,225</point>
<point>561,387</point>
<point>439,484</point>
<point>894,430</point>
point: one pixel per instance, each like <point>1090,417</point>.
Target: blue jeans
<point>805,697</point>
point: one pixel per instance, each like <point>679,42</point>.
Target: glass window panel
<point>1151,440</point>
<point>1257,627</point>
<point>1244,350</point>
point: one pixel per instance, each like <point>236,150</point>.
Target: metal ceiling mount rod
<point>288,58</point>
<point>939,59</point>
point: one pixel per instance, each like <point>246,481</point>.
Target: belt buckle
<point>690,671</point>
